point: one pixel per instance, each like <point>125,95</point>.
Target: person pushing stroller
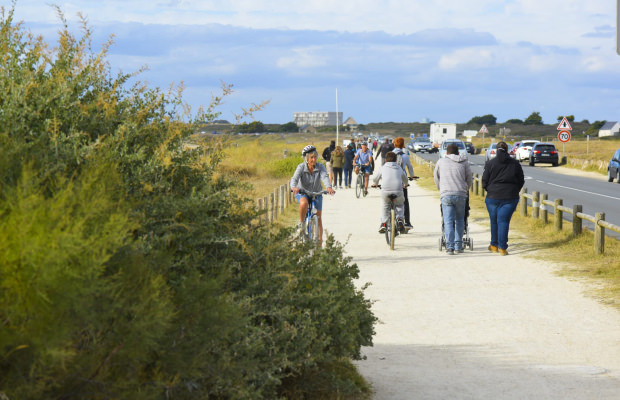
<point>394,179</point>
<point>453,178</point>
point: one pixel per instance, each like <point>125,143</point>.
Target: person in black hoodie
<point>327,156</point>
<point>502,179</point>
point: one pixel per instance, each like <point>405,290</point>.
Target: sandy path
<point>474,325</point>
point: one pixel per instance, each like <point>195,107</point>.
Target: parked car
<point>470,147</point>
<point>459,143</point>
<point>544,153</point>
<point>523,153</point>
<point>515,147</point>
<point>492,151</point>
<point>422,144</point>
<point>613,168</point>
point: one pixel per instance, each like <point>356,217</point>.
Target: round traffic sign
<point>564,136</point>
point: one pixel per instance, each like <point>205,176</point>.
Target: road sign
<point>564,136</point>
<point>484,129</point>
<point>564,125</point>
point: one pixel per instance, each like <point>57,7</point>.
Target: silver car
<point>492,151</point>
<point>459,143</point>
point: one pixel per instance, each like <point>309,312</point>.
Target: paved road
<point>594,194</point>
<point>474,325</point>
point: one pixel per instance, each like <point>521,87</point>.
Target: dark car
<point>613,168</point>
<point>544,153</point>
<point>470,147</point>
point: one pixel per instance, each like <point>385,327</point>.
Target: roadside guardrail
<point>540,207</point>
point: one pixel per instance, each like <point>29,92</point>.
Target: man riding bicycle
<point>394,180</point>
<point>308,176</point>
<point>363,159</point>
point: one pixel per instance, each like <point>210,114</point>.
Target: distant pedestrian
<point>383,150</point>
<point>502,179</point>
<point>337,165</point>
<point>453,179</point>
<point>349,155</point>
<point>327,154</point>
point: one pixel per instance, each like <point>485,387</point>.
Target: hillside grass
<point>574,256</point>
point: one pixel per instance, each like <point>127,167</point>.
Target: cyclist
<point>363,158</point>
<point>394,179</point>
<point>308,176</point>
<point>402,159</point>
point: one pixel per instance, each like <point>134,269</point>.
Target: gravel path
<point>474,325</point>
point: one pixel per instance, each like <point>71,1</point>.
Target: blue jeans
<point>500,212</point>
<point>348,174</point>
<point>453,208</point>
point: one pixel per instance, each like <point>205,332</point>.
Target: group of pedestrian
<point>502,180</point>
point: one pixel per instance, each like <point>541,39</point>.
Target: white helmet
<point>308,149</point>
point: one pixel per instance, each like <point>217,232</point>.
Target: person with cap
<point>308,176</point>
<point>502,180</point>
<point>402,159</point>
<point>394,179</point>
<point>363,159</point>
<point>453,178</point>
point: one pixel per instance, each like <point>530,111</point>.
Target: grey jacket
<point>311,182</point>
<point>453,175</point>
<point>393,177</point>
<point>406,161</point>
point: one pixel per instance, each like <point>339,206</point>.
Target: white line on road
<point>585,191</point>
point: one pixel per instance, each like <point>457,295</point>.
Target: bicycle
<point>359,182</point>
<point>310,226</point>
<point>392,223</point>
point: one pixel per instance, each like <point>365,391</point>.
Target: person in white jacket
<point>453,179</point>
<point>394,180</point>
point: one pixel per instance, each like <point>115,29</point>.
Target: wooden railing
<point>275,203</point>
<point>541,205</point>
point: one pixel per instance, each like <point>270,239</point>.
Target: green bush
<point>129,266</point>
<point>285,167</point>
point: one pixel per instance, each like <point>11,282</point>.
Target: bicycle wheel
<point>314,229</point>
<point>359,186</point>
<point>392,228</point>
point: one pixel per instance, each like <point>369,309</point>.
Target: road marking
<point>585,191</point>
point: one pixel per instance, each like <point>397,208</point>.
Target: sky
<point>377,61</point>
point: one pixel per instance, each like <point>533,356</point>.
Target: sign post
<point>483,130</point>
<point>564,129</point>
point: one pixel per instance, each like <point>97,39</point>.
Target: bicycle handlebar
<point>313,194</point>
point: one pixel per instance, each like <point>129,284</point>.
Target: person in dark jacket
<point>383,150</point>
<point>349,155</point>
<point>502,179</point>
<point>327,156</point>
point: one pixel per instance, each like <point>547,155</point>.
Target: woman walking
<point>337,164</point>
<point>349,155</point>
<point>502,179</point>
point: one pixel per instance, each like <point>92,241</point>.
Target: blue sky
<point>391,60</point>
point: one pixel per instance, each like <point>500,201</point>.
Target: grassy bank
<point>574,255</point>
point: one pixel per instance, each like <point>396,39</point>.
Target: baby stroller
<point>467,241</point>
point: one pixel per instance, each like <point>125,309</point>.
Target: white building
<point>611,128</point>
<point>317,118</point>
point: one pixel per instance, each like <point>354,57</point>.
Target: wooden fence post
<point>266,208</point>
<point>271,208</point>
<point>476,185</point>
<point>535,205</point>
<point>523,200</point>
<point>557,215</point>
<point>543,208</point>
<point>599,234</point>
<point>286,196</point>
<point>276,203</point>
<point>259,205</point>
<point>282,200</point>
<point>577,222</point>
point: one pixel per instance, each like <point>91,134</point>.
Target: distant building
<point>351,123</point>
<point>611,128</point>
<point>317,118</point>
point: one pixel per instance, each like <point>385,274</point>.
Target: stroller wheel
<point>471,244</point>
<point>441,244</point>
